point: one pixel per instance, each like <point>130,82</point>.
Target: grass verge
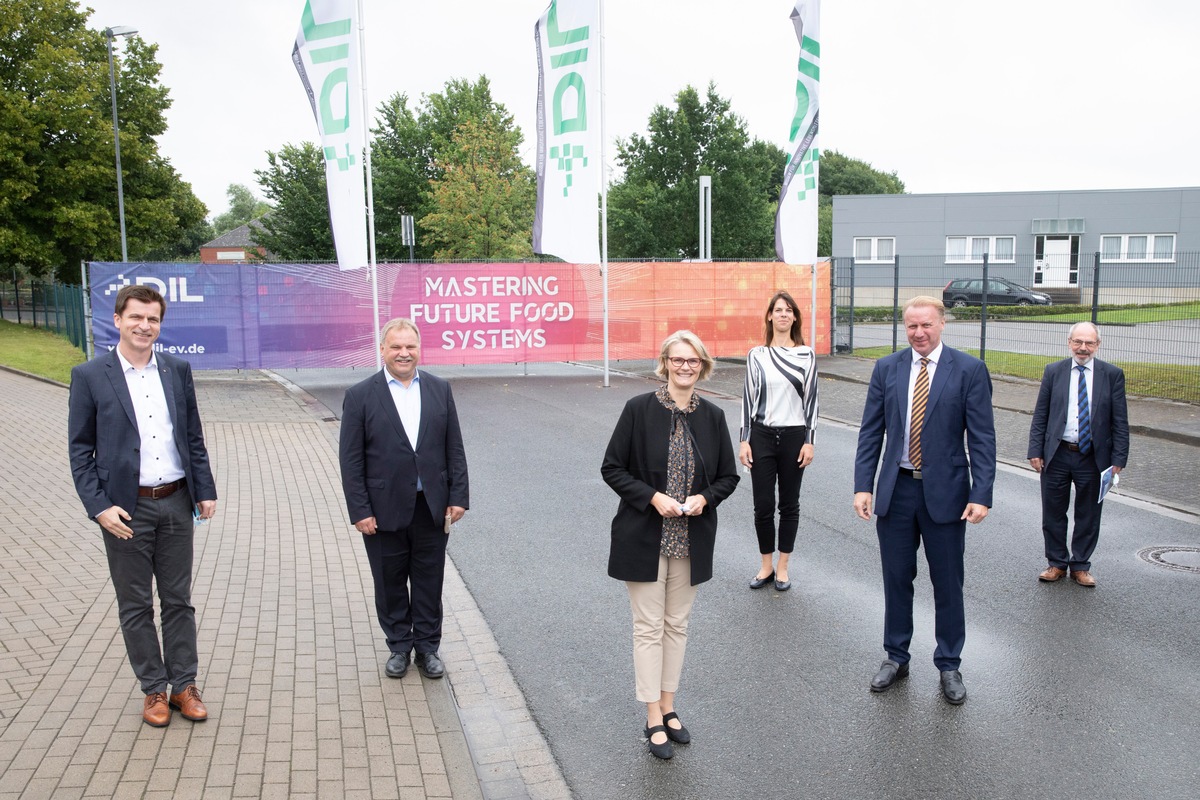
<point>1168,381</point>
<point>38,351</point>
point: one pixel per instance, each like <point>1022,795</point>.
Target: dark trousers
<point>160,552</point>
<point>1069,468</point>
<point>775,452</point>
<point>906,526</point>
<point>415,555</point>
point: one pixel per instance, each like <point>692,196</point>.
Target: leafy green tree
<point>411,148</point>
<point>58,198</point>
<point>243,207</point>
<point>653,207</point>
<point>483,202</point>
<point>298,228</point>
<point>841,174</point>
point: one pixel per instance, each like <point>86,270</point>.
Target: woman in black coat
<point>670,459</point>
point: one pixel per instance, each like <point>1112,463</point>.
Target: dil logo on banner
<point>568,105</point>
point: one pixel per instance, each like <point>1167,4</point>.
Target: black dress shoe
<point>429,665</point>
<point>952,687</point>
<point>889,673</point>
<point>758,583</point>
<point>397,665</point>
<point>664,750</point>
<point>782,586</point>
<point>679,735</point>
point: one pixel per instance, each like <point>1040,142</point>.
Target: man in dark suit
<point>926,399</point>
<point>141,469</point>
<point>404,473</point>
<point>1080,427</point>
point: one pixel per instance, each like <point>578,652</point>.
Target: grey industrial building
<point>1147,241</point>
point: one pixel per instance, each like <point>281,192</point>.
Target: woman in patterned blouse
<point>779,415</point>
<point>671,462</point>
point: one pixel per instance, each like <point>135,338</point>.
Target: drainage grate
<point>1161,556</point>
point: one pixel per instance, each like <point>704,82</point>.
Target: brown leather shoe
<point>1083,578</point>
<point>189,704</point>
<point>156,712</point>
<point>1051,574</point>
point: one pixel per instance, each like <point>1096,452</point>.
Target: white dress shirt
<point>408,406</point>
<point>160,460</point>
<point>931,368</point>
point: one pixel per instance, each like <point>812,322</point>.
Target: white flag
<point>567,223</point>
<point>326,56</point>
<point>796,219</point>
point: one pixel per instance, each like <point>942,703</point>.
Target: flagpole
<point>372,267</point>
<point>603,193</point>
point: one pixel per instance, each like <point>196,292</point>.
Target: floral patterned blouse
<point>681,468</point>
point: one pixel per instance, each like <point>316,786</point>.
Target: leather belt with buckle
<point>159,492</point>
<point>915,474</point>
<point>1072,446</point>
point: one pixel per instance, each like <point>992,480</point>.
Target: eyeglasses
<point>677,362</point>
<point>1082,343</point>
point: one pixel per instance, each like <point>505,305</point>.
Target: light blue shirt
<point>1071,429</point>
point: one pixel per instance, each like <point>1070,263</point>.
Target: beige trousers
<point>660,619</point>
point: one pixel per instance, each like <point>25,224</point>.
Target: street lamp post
<point>110,34</point>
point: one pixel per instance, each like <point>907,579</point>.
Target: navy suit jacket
<point>103,440</point>
<point>1106,406</point>
<point>959,406</point>
<point>380,466</point>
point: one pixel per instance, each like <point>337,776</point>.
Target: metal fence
<point>46,304</point>
<point>1148,313</point>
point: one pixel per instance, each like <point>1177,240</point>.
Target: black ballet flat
<point>758,583</point>
<point>680,736</point>
<point>664,750</point>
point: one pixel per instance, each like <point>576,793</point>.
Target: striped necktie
<point>920,397</point>
<point>1085,416</point>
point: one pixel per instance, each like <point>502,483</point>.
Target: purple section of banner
<point>269,316</point>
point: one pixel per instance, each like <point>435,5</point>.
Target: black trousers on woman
<point>775,452</point>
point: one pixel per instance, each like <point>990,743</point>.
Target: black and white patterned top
<point>781,389</point>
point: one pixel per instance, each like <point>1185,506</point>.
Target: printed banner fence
<point>279,316</point>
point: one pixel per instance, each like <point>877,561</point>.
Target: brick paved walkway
<point>291,655</point>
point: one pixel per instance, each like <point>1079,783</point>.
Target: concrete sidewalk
<point>291,654</point>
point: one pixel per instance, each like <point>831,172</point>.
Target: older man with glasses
<point>1080,428</point>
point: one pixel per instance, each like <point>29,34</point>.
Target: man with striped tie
<point>1080,427</point>
<point>927,399</point>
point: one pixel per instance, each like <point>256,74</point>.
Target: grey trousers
<point>160,552</point>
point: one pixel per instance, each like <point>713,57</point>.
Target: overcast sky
<point>953,96</point>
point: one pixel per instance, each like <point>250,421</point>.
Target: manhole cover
<point>1180,559</point>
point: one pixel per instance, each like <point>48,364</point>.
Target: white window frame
<point>875,259</point>
<point>964,254</point>
<point>1123,253</point>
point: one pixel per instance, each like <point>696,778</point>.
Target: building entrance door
<point>1054,268</point>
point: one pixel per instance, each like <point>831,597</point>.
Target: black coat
<point>635,466</point>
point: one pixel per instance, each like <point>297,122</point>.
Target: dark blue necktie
<point>1085,417</point>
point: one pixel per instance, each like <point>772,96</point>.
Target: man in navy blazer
<point>1071,443</point>
<point>404,474</point>
<point>928,489</point>
<point>140,468</point>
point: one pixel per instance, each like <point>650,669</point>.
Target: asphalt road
<point>1073,693</point>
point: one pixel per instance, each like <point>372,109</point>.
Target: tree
<point>653,208</point>
<point>843,175</point>
<point>483,202</point>
<point>243,207</point>
<point>298,228</point>
<point>412,147</point>
<point>58,198</point>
